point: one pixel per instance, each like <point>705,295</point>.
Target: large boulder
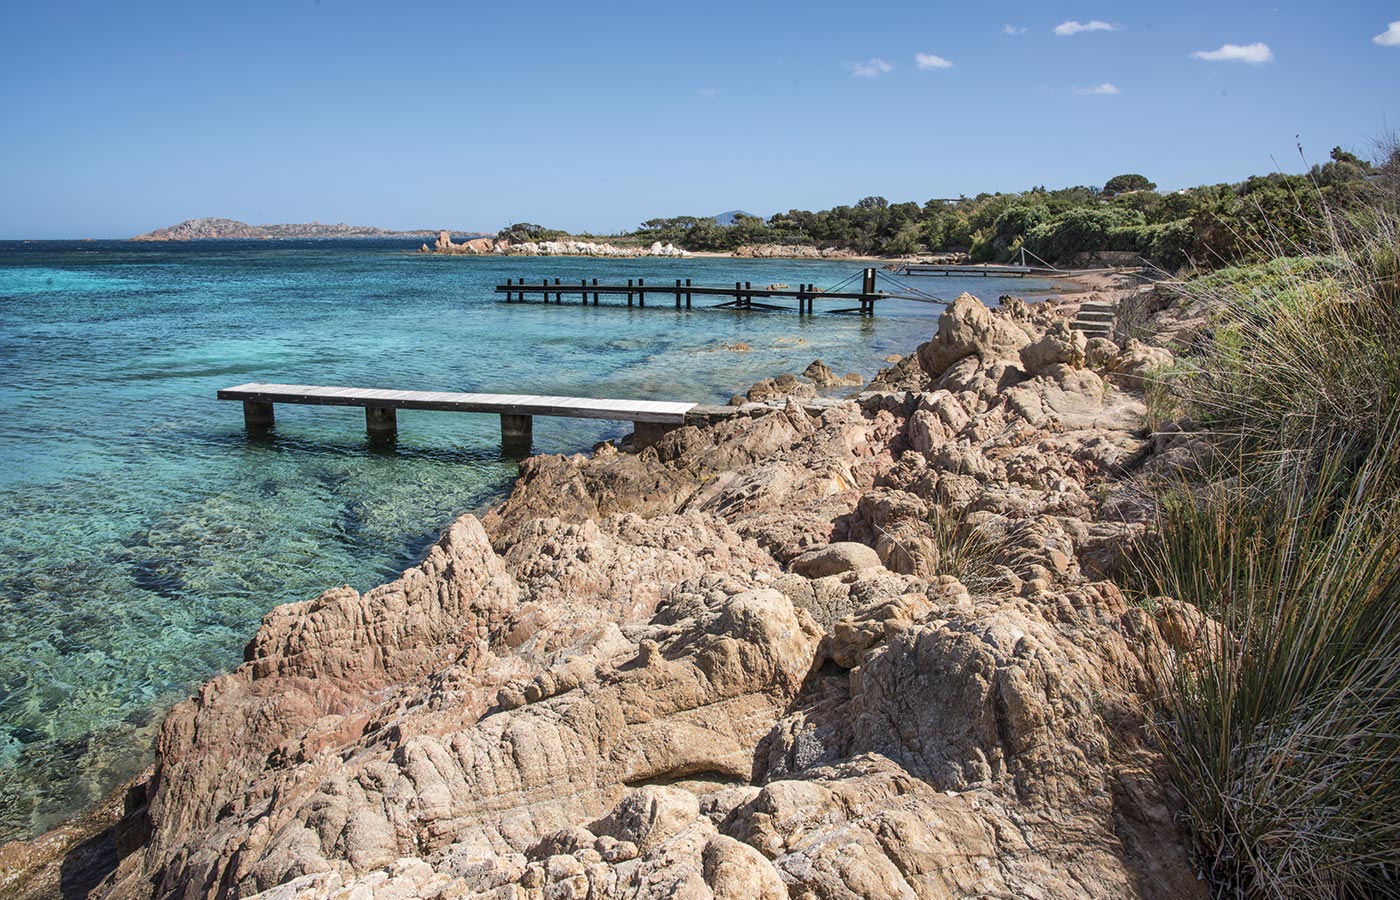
<point>1100,353</point>
<point>1060,345</point>
<point>969,328</point>
<point>834,559</point>
<point>1137,360</point>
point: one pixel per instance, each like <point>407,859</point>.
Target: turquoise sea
<point>143,535</point>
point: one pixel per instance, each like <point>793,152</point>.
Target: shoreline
<point>32,865</point>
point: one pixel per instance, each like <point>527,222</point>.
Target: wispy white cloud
<point>872,68</point>
<point>1065,29</point>
<point>1013,30</point>
<point>1390,37</point>
<point>929,61</point>
<point>1104,90</point>
<point>1254,54</point>
<point>708,93</point>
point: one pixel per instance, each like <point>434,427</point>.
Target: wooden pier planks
<point>741,296</point>
<point>654,411</point>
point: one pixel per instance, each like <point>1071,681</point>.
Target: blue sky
<point>124,117</point>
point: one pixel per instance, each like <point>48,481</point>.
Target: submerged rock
<point>822,375</point>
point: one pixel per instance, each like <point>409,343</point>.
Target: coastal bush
<point>1206,226</point>
<point>1122,184</point>
<point>1280,717</point>
<point>1085,230</point>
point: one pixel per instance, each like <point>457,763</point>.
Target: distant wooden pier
<point>650,418</point>
<point>986,271</point>
<point>742,295</point>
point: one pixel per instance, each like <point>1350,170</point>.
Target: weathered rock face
<point>1137,360</point>
<point>969,329</point>
<point>857,649</point>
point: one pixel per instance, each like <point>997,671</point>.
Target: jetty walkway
<point>650,418</point>
<point>985,271</point>
<point>741,296</point>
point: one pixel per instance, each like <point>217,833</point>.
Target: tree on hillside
<point>1122,184</point>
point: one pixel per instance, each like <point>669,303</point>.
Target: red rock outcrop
<point>857,649</point>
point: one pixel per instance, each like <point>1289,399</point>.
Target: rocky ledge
<point>854,649</point>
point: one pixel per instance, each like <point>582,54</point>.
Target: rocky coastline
<point>488,246</point>
<point>800,647</point>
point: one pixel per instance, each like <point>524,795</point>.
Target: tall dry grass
<point>1281,726</point>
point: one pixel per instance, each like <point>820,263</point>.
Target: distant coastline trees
<point>1205,226</point>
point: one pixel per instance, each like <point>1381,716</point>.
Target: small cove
<point>143,535</point>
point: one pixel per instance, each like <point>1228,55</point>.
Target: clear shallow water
<point>142,535</point>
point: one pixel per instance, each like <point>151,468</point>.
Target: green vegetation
<point>522,232</point>
<point>1204,226</point>
<point>1281,711</point>
<point>1123,184</point>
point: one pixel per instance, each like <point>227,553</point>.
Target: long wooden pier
<point>742,295</point>
<point>986,271</point>
<point>651,418</point>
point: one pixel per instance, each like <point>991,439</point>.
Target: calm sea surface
<point>142,535</point>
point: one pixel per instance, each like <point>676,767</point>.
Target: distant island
<point>209,229</point>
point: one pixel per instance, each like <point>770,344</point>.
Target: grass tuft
<point>1281,723</point>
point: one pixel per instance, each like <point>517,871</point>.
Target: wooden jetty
<point>742,294</point>
<point>987,271</point>
<point>651,418</point>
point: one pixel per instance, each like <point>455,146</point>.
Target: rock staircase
<point>1095,319</point>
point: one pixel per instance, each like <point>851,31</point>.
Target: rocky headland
<point>232,229</point>
<point>801,647</point>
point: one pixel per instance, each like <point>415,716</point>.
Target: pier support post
<point>517,434</point>
<point>381,423</point>
<point>687,294</point>
<point>646,434</point>
<point>257,415</point>
<point>868,283</point>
